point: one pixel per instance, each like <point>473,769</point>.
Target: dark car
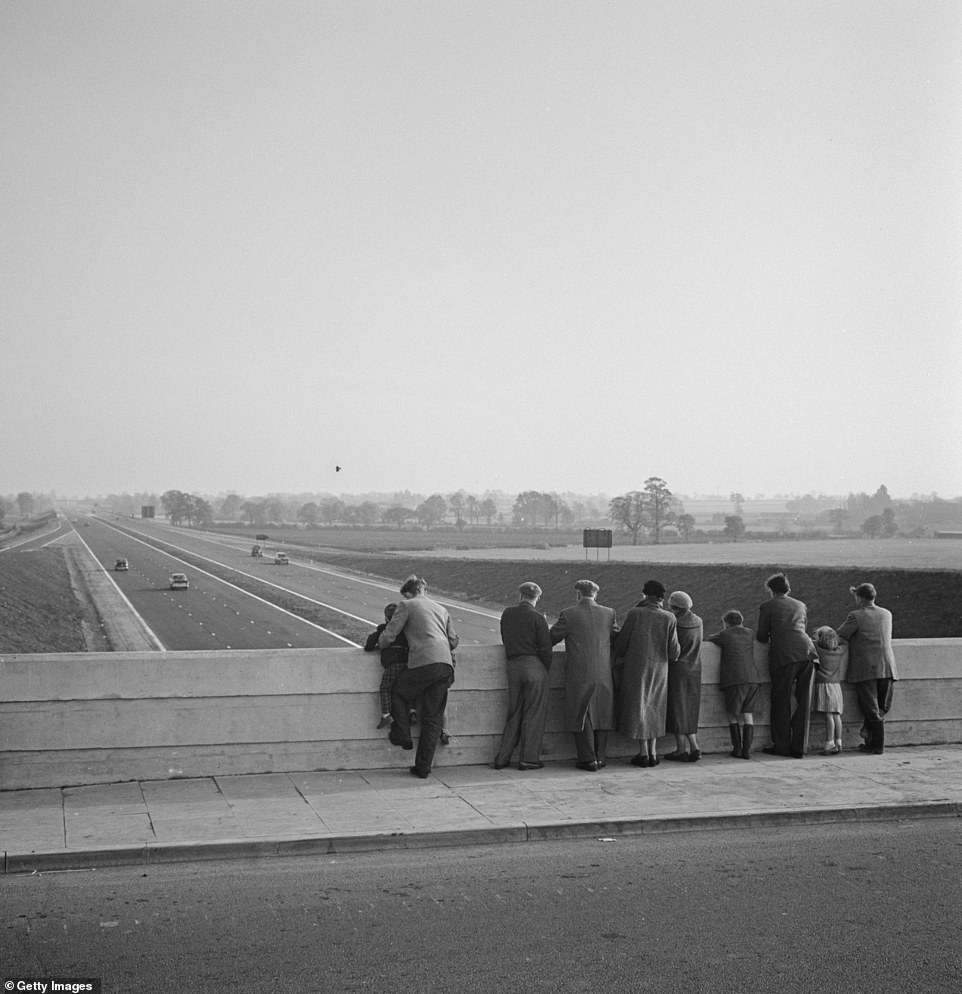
<point>121,564</point>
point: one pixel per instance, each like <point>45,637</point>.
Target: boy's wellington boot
<point>734,730</point>
<point>748,733</point>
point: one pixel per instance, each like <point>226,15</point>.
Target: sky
<point>559,246</point>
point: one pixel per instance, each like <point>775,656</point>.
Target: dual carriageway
<point>236,601</point>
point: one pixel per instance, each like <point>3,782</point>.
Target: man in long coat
<point>587,630</point>
<point>791,655</point>
<point>871,662</point>
<point>647,643</point>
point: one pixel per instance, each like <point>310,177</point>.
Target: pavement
<point>143,823</point>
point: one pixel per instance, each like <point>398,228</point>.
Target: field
<point>921,581</point>
<point>926,603</point>
<point>557,546</point>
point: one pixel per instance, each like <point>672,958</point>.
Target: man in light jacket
<point>791,655</point>
<point>430,670</point>
<point>871,663</point>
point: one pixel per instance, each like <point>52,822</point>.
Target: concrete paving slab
<point>260,787</point>
<point>339,812</point>
<point>186,791</point>
<point>117,797</point>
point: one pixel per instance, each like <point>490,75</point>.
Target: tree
<point>630,510</point>
<point>473,509</point>
<point>181,507</point>
<point>737,500</point>
<point>526,509</point>
<point>25,504</point>
<point>658,504</point>
<point>488,510</point>
<point>872,527</point>
<point>201,513</point>
<point>230,507</point>
<point>457,503</point>
<point>254,509</point>
<point>734,527</point>
<point>332,510</point>
<point>176,506</point>
<point>368,513</point>
<point>397,515</point>
<point>309,513</point>
<point>432,511</point>
<point>889,526</point>
<point>686,525</point>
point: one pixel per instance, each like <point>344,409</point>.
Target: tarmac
<point>145,823</point>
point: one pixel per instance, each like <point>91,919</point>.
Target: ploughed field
<point>925,603</point>
<point>39,611</point>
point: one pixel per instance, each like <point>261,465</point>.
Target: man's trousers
<point>527,710</point>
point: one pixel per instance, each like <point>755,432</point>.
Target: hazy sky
<point>502,244</point>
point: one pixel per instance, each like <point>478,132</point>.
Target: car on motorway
<point>280,558</point>
<point>120,565</point>
<point>179,581</point>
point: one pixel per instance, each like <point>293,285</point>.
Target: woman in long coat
<point>684,680</point>
<point>646,644</point>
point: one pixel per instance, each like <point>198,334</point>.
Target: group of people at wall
<point>641,677</point>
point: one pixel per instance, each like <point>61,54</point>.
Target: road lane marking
<point>150,632</point>
<point>234,586</point>
<point>450,605</point>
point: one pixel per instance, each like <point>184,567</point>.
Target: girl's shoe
<point>385,721</point>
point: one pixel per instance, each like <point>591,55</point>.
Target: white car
<point>179,581</point>
<point>280,558</point>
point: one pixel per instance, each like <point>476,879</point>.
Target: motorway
<point>236,601</point>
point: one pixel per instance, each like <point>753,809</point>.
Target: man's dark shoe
<point>394,738</point>
<point>591,767</point>
<point>772,751</point>
<point>499,766</point>
<point>415,772</point>
<point>530,766</point>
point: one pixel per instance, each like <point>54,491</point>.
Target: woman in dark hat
<point>646,644</point>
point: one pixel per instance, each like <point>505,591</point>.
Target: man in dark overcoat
<point>587,630</point>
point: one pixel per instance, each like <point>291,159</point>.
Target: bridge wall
<point>106,717</point>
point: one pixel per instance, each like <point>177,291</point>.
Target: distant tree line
<point>647,514</point>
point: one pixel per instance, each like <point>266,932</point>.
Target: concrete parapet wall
<point>106,717</point>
